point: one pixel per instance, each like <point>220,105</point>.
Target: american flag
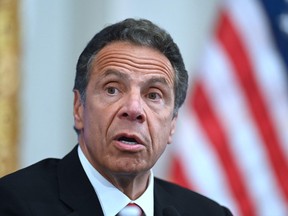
<point>231,143</point>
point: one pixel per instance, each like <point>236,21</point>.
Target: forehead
<point>128,57</point>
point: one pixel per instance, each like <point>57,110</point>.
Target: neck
<point>132,186</point>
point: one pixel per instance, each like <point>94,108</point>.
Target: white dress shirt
<point>112,200</point>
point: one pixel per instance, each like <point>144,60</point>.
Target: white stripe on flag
<point>235,119</point>
<point>230,104</point>
<point>196,156</point>
<point>269,69</point>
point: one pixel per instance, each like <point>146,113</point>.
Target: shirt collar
<point>111,199</point>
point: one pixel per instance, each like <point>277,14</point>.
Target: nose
<point>132,108</point>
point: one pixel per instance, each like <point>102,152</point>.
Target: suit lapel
<point>78,194</point>
<point>162,199</point>
<point>75,188</point>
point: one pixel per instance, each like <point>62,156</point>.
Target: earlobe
<point>173,128</point>
<point>78,110</point>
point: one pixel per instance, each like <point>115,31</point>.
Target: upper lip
<point>130,136</point>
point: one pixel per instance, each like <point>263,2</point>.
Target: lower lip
<point>128,147</point>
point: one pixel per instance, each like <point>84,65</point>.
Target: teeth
<point>129,143</point>
<point>127,140</point>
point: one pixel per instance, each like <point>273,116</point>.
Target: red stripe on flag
<point>229,38</point>
<point>216,134</point>
<point>178,174</point>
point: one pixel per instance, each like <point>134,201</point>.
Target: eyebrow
<point>115,73</point>
<point>158,80</point>
<point>152,80</point>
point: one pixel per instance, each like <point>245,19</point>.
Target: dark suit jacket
<point>54,187</point>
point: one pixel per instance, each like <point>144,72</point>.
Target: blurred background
<point>231,143</point>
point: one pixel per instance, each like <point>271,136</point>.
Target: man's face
<point>127,119</point>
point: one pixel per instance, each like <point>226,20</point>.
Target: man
<point>129,85</point>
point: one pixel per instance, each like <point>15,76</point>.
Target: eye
<point>154,96</point>
<point>112,90</point>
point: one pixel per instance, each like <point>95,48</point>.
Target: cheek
<point>160,131</point>
<point>95,120</point>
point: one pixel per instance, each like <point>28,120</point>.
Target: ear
<point>172,129</point>
<point>78,110</point>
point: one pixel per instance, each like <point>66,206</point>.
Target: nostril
<point>132,117</point>
<point>139,117</point>
<point>125,115</point>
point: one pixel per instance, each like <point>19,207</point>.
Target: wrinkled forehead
<point>129,57</point>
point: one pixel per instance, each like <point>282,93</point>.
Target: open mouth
<point>128,140</point>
